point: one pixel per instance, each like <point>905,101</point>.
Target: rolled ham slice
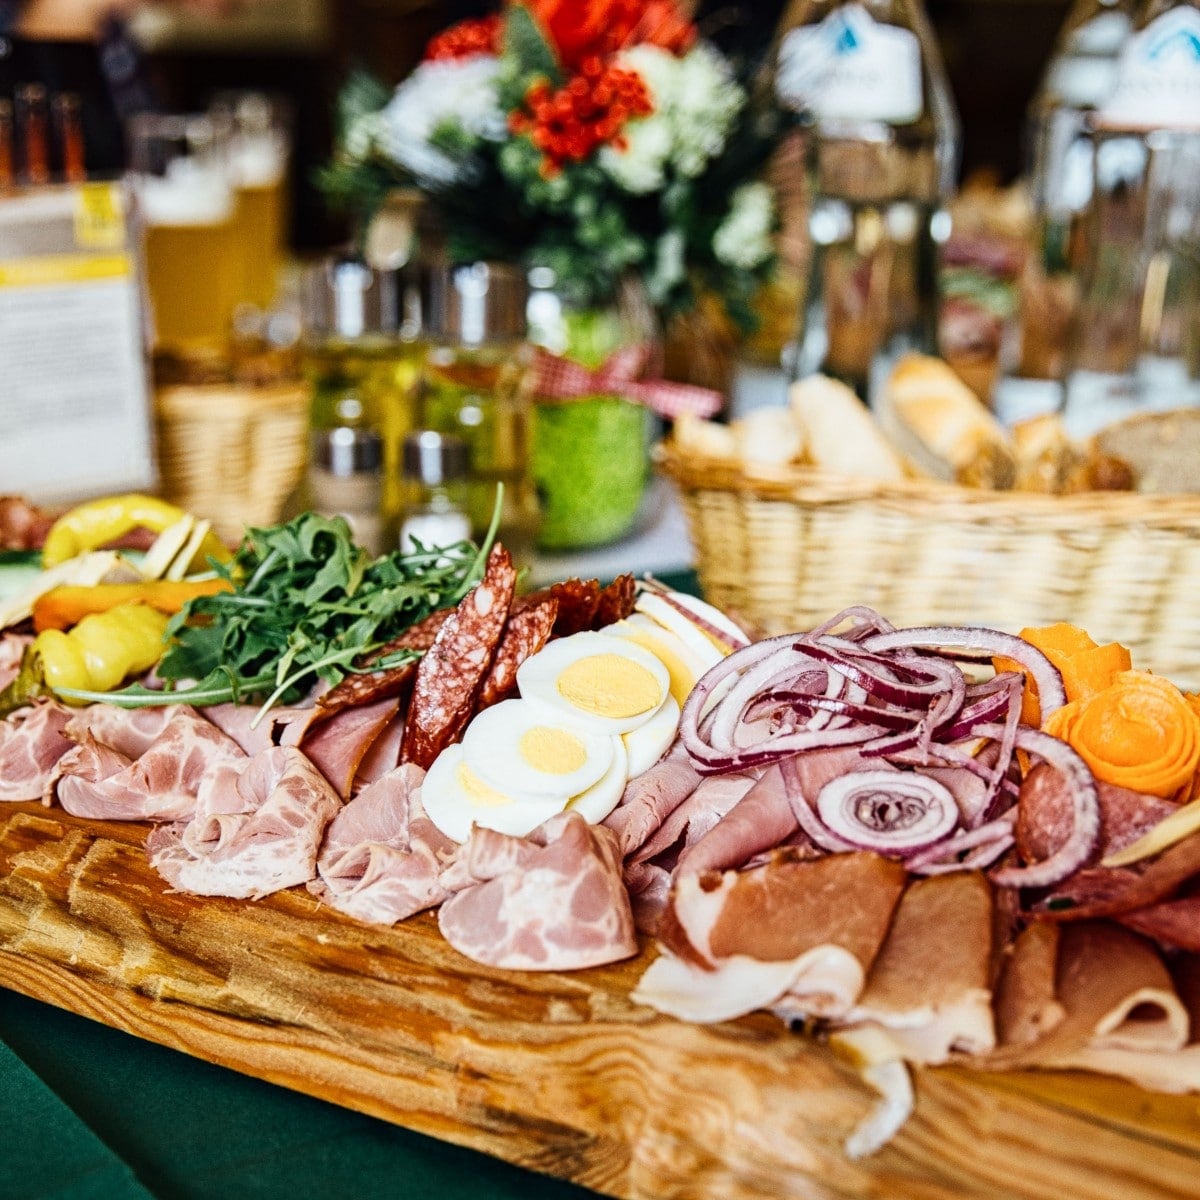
<point>929,988</point>
<point>32,743</point>
<point>553,901</point>
<point>651,798</point>
<point>382,856</point>
<point>338,745</point>
<point>795,936</point>
<point>255,838</point>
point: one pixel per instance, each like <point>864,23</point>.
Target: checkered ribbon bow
<point>557,378</point>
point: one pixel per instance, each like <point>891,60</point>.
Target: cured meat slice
<point>1120,1012</point>
<point>528,629</point>
<point>650,798</point>
<point>338,745</point>
<point>761,820</point>
<point>382,855</point>
<point>1027,1008</point>
<point>129,731</point>
<point>615,602</point>
<point>795,936</point>
<point>165,780</point>
<point>1115,891</point>
<point>1174,923</point>
<point>382,756</point>
<point>453,669</point>
<point>389,682</point>
<point>715,796</point>
<point>253,839</point>
<point>563,908</point>
<point>1044,815</point>
<point>12,650</point>
<point>32,743</point>
<point>929,990</point>
<point>577,604</point>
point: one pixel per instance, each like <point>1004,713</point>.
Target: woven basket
<point>232,453</point>
<point>787,548</point>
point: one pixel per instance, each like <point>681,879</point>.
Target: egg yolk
<point>609,685</point>
<point>552,751</point>
<point>477,792</point>
<point>683,678</point>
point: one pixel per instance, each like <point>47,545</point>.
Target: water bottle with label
<point>1130,345</point>
<point>1079,78</point>
<point>883,146</point>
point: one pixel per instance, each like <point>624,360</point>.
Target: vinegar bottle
<point>882,155</point>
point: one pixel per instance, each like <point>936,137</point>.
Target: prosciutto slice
<point>382,856</point>
<point>338,745</point>
<point>259,837</point>
<point>553,901</point>
<point>32,742</point>
<point>798,936</point>
<point>929,991</point>
<point>162,783</point>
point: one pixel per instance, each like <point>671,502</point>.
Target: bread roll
<point>1160,449</point>
<point>705,439</point>
<point>942,428</point>
<point>769,437</point>
<point>1048,460</point>
<point>840,433</point>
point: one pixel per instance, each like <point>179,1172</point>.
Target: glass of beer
<point>180,179</point>
<point>260,147</point>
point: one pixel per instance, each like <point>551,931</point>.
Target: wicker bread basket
<point>232,452</point>
<point>789,547</point>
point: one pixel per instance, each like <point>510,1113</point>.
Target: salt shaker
<point>436,466</point>
<point>345,480</point>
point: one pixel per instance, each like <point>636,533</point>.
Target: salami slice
<point>616,602</point>
<point>454,668</point>
<point>528,630</point>
<point>365,688</point>
<point>577,601</point>
<point>1173,923</point>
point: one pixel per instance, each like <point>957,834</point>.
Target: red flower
<point>466,39</point>
<point>579,29</point>
<point>567,125</point>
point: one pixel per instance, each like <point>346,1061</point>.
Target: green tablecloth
<point>89,1113</point>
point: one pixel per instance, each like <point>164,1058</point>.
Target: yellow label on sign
<point>63,268</point>
<point>99,217</point>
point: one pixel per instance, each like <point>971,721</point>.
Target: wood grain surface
<point>557,1072</point>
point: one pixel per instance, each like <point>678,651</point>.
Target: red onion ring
<point>895,813</point>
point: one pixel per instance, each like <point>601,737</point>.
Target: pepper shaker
<point>345,480</point>
<point>436,466</point>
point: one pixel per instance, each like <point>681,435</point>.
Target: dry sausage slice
<point>528,630</point>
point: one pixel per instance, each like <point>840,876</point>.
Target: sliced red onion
<point>891,812</point>
<point>721,636</point>
<point>982,857</point>
<point>1085,803</point>
<point>991,641</point>
<point>970,839</point>
<point>866,620</point>
<point>803,811</point>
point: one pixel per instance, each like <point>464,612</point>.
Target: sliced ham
<point>556,905</point>
<point>1027,1006</point>
<point>256,838</point>
<point>795,936</point>
<point>129,731</point>
<point>761,820</point>
<point>715,796</point>
<point>1115,1008</point>
<point>338,745</point>
<point>929,990</point>
<point>382,856</point>
<point>162,783</point>
<point>1174,923</point>
<point>12,650</point>
<point>382,756</point>
<point>651,798</point>
<point>32,743</point>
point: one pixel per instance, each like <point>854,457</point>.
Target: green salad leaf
<point>307,603</point>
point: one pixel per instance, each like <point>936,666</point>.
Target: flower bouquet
<point>598,143</point>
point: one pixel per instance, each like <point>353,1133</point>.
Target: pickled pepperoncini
<point>103,649</point>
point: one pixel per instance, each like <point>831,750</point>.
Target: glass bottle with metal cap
<point>473,386</point>
<point>345,480</point>
<point>436,466</point>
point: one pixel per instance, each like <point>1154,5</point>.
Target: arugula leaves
<point>306,603</point>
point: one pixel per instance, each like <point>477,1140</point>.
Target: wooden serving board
<point>560,1073</point>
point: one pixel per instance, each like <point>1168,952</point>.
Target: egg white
<point>453,809</point>
<point>684,665</point>
<point>492,750</point>
<point>648,743</point>
<point>602,797</point>
<point>538,679</point>
<point>667,615</point>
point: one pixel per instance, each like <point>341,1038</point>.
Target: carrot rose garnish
<point>1139,732</point>
<point>1086,668</point>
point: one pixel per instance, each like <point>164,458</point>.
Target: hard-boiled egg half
<point>596,710</point>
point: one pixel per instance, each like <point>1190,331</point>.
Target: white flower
<point>743,239</point>
<point>668,266</point>
<point>459,94</point>
<point>696,101</point>
<point>362,135</point>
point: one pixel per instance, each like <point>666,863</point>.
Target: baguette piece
<point>770,437</point>
<point>942,428</point>
<point>705,439</point>
<point>839,432</point>
<point>1048,460</point>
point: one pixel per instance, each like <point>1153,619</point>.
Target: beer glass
<point>260,147</point>
<point>179,176</point>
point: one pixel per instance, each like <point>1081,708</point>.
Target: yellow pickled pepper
<point>103,649</point>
